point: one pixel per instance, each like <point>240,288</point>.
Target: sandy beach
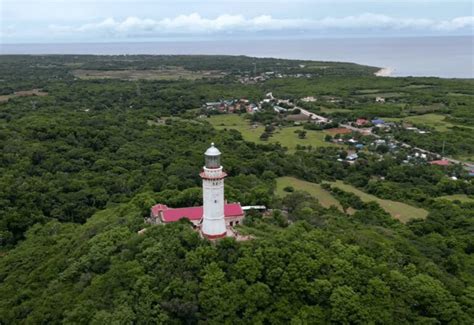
<point>384,72</point>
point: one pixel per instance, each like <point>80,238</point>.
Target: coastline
<point>403,54</point>
<point>385,72</point>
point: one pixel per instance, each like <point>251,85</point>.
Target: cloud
<point>196,24</point>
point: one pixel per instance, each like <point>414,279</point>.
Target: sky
<point>59,21</point>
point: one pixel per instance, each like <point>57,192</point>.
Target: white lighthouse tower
<point>213,222</point>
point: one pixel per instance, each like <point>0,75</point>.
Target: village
<point>360,136</point>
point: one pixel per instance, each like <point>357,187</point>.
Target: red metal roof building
<point>441,162</point>
<point>161,213</point>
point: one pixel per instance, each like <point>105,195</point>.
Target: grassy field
<point>398,210</point>
<point>285,136</point>
<point>23,93</point>
<point>334,110</point>
<point>172,73</point>
<point>435,121</point>
<point>384,95</point>
<point>325,198</point>
<point>459,197</point>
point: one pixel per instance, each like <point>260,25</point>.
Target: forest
<point>81,166</point>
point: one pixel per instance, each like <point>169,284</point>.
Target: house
<point>279,109</point>
<point>378,122</point>
<point>361,122</point>
<point>285,101</point>
<point>441,162</point>
<point>308,99</point>
<point>252,108</point>
<point>212,105</point>
<point>352,157</point>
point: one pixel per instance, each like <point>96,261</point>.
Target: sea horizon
<point>397,56</point>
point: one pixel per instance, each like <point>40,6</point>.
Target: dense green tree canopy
<point>81,166</point>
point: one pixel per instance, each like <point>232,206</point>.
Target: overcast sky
<point>49,21</point>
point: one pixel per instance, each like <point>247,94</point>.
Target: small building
<point>279,109</point>
<point>309,99</point>
<point>213,105</point>
<point>352,157</point>
<point>441,162</point>
<point>361,122</point>
<point>252,108</point>
<point>378,122</point>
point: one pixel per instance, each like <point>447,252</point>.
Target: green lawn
<point>285,136</point>
<point>384,95</point>
<point>334,110</point>
<point>460,197</point>
<point>325,198</point>
<point>435,121</point>
<point>398,210</point>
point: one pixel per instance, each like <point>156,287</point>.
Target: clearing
<point>460,197</point>
<point>325,198</point>
<point>169,73</point>
<point>435,121</point>
<point>398,210</point>
<point>23,93</point>
<point>401,211</point>
<point>286,136</point>
<point>335,131</point>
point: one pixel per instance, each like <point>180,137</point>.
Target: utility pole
<point>442,151</point>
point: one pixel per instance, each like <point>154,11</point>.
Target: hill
<point>83,160</point>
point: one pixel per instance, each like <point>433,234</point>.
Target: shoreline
<point>385,72</point>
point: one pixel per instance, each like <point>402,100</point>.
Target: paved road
<point>312,115</point>
<point>368,130</point>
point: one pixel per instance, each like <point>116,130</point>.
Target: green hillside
<point>83,160</point>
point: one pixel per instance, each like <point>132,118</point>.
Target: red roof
<point>193,213</point>
<point>361,121</point>
<point>441,162</point>
<point>157,208</point>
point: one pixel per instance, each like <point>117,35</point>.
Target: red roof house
<point>442,162</point>
<point>361,121</point>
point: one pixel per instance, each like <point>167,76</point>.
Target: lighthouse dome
<point>212,151</point>
<point>212,155</point>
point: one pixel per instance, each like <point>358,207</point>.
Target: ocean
<point>446,57</point>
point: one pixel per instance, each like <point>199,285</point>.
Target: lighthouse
<point>216,218</point>
<point>213,221</point>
